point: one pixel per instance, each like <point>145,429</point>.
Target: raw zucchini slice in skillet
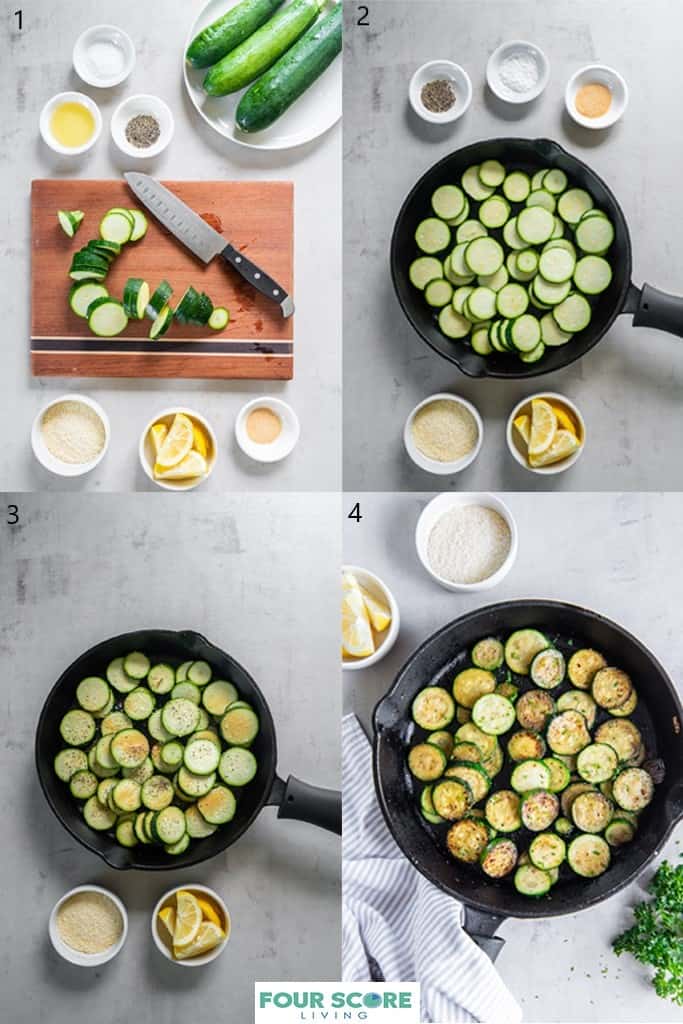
<point>136,665</point>
<point>448,202</point>
<point>551,334</point>
<point>129,748</point>
<point>93,694</point>
<point>125,832</point>
<point>175,849</point>
<point>499,858</point>
<point>423,270</point>
<point>427,762</point>
<point>592,274</point>
<point>594,235</point>
<point>517,187</point>
<point>237,766</point>
<point>83,784</point>
<point>194,785</point>
<point>201,756</point>
<point>187,691</point>
<point>161,678</point>
<point>139,704</point>
<point>491,173</point>
<point>119,678</point>
<point>218,696</point>
<point>180,717</point>
<point>97,816</point>
<point>589,856</point>
<point>474,186</point>
<point>239,726</point>
<point>521,648</point>
<point>77,728</point>
<point>218,806</point>
<point>432,235</point>
<point>68,762</point>
<point>157,793</point>
<point>125,796</point>
<point>573,204</point>
<point>170,826</point>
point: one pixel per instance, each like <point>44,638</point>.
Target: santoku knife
<point>189,228</point>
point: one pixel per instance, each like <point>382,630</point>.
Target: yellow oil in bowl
<point>72,125</point>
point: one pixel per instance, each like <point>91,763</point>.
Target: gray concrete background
<point>257,578</point>
<point>629,387</point>
<point>35,65</point>
<point>561,969</point>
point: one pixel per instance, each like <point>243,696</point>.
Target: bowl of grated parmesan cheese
<point>443,434</point>
<point>466,542</point>
<point>70,435</point>
<point>88,926</point>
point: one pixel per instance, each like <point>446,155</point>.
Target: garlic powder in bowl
<point>443,434</point>
<point>466,541</point>
<point>70,435</point>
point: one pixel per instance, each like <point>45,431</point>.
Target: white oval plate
<point>312,115</point>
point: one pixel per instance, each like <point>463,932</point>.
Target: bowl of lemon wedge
<point>178,449</point>
<point>191,925</point>
<point>370,618</point>
<point>546,433</point>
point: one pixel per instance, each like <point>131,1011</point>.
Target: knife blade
<point>200,238</point>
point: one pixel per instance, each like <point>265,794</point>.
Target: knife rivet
<point>238,259</point>
<point>257,276</point>
<point>276,291</point>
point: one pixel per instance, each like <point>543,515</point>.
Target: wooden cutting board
<point>257,217</point>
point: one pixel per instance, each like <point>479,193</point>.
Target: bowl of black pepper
<point>440,91</point>
<point>142,126</point>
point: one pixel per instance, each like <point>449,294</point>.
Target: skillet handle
<point>303,802</point>
<point>482,929</point>
<point>660,310</point>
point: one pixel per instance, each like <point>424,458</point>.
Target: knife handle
<point>260,280</point>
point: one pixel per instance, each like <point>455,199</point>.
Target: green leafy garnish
<point>656,938</point>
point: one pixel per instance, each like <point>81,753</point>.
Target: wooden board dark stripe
<point>257,217</point>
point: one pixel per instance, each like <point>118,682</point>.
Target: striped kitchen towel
<point>397,926</point>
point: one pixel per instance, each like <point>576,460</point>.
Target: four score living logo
<point>320,1002</point>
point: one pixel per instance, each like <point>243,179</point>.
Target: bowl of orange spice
<point>267,429</point>
<point>596,96</point>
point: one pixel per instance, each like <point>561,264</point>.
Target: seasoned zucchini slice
<point>93,694</point>
<point>77,728</point>
<point>521,648</point>
<point>591,812</point>
<point>627,708</point>
<point>161,678</point>
<point>579,700</point>
<point>115,721</point>
<point>218,696</point>
<point>499,858</point>
<point>471,684</point>
<point>194,785</point>
<point>452,799</point>
<point>237,766</point>
<point>503,811</point>
<point>589,856</point>
<point>611,687</point>
<point>620,831</point>
<point>547,850</point>
<point>533,709</point>
<point>442,738</point>
<point>141,773</point>
<point>433,708</point>
<point>427,762</point>
<point>180,717</point>
<point>125,795</point>
<point>157,793</point>
<point>582,667</point>
<point>239,726</point>
<point>539,810</point>
<point>568,733</point>
<point>170,826</point>
<point>427,807</point>
<point>463,751</point>
<point>597,763</point>
<point>97,816</point>
<point>564,827</point>
<point>125,832</point>
<point>509,690</point>
<point>201,756</point>
<point>528,775</point>
<point>136,665</point>
<point>116,677</point>
<point>187,691</point>
<point>474,775</point>
<point>559,774</point>
<point>532,881</point>
<point>139,704</point>
<point>548,668</point>
<point>129,748</point>
<point>570,794</point>
<point>633,789</point>
<point>525,745</point>
<point>622,735</point>
<point>218,806</point>
<point>488,654</point>
<point>470,733</point>
<point>493,714</point>
<point>467,839</point>
<point>68,762</point>
<point>83,784</point>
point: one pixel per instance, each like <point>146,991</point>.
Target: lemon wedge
<point>167,918</point>
<point>188,920</point>
<point>208,937</point>
<point>357,639</point>
<point>543,426</point>
<point>380,615</point>
<point>177,443</point>
<point>564,419</point>
<point>564,445</point>
<point>158,434</point>
<point>209,911</point>
<point>201,441</point>
<point>193,465</point>
<point>522,425</point>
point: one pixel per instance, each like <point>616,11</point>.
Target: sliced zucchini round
<point>433,708</point>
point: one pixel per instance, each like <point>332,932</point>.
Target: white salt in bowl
<point>386,640</point>
<point>74,956</point>
<point>439,506</point>
<point>432,465</point>
<point>45,456</point>
<point>517,48</point>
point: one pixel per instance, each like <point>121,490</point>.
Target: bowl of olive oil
<point>70,123</point>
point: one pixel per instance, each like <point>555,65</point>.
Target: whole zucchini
<point>292,74</point>
<point>257,53</point>
<point>227,32</point>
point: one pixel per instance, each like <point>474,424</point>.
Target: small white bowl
<point>129,109</point>
<point>85,55</point>
<point>46,116</point>
<point>430,72</point>
<point>74,956</point>
<point>162,945</point>
<point>377,588</point>
<point>45,456</point>
<point>514,48</point>
<point>602,75</point>
<point>443,503</point>
<point>147,457</point>
<point>432,465</point>
<point>286,441</point>
<point>515,443</point>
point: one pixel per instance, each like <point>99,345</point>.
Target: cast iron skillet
<point>650,307</point>
<point>659,716</point>
<point>294,799</point>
